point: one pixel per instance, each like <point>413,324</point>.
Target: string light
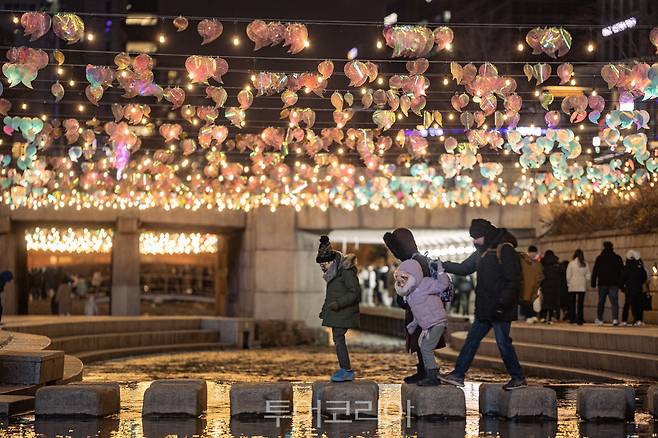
<point>90,36</point>
<point>60,71</point>
<point>445,81</point>
<point>379,44</point>
<point>162,39</point>
<point>520,47</point>
<point>71,83</point>
<point>24,106</point>
<point>79,241</point>
<point>590,47</point>
<point>15,19</point>
<point>307,44</point>
<point>178,243</point>
<point>236,41</point>
<point>81,108</point>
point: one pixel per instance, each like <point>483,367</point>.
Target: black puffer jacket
<point>634,276</point>
<point>608,269</point>
<point>553,284</point>
<point>498,283</point>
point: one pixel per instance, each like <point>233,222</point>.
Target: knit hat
<point>411,267</point>
<point>480,228</point>
<point>325,251</point>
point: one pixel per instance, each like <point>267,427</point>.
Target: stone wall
<point>591,244</point>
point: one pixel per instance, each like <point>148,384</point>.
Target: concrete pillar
<point>125,300</point>
<point>8,263</point>
<point>278,276</point>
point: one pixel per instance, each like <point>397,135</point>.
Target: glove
<point>333,306</point>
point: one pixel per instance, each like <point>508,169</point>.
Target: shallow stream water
<point>374,357</point>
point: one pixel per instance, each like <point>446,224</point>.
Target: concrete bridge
<point>271,269</point>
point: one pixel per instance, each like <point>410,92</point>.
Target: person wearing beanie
<point>496,299</point>
<point>340,310</point>
<point>607,276</point>
<point>422,296</point>
<point>634,278</point>
<point>403,246</point>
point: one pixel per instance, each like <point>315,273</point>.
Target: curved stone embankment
<point>38,352</point>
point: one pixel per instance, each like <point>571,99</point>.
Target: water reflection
<point>162,427</point>
<point>260,427</point>
<point>76,427</point>
<point>426,429</point>
<point>495,427</point>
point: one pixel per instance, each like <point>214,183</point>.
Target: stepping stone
<point>92,399</point>
<point>356,399</point>
<point>176,397</point>
<point>31,367</point>
<point>441,401</point>
<point>266,400</point>
<point>606,403</point>
<point>652,400</point>
<point>530,402</point>
<point>15,405</point>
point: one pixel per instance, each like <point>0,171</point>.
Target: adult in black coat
<point>402,244</point>
<point>634,278</point>
<point>607,275</point>
<point>496,298</point>
<point>552,286</point>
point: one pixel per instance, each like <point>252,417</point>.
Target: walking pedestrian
<point>496,299</point>
<point>633,279</point>
<point>340,310</point>
<point>607,275</point>
<point>551,286</point>
<point>578,274</point>
<point>63,296</point>
<point>533,274</point>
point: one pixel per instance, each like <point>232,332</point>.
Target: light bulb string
<point>379,24</point>
<point>302,95</point>
<point>310,59</point>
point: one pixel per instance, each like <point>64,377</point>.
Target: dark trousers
<point>527,311</point>
<point>338,334</point>
<point>608,291</point>
<point>634,301</point>
<point>576,307</point>
<point>479,330</point>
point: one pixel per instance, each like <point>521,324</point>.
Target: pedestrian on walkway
<point>422,295</point>
<point>607,275</point>
<point>496,299</point>
<point>5,277</point>
<point>633,279</point>
<point>551,287</point>
<point>533,274</point>
<point>63,296</point>
<point>340,310</point>
<point>578,275</point>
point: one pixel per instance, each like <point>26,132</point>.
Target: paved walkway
<point>647,330</point>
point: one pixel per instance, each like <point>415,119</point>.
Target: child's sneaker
<point>343,375</point>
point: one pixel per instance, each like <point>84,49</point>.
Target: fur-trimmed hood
<point>347,261</point>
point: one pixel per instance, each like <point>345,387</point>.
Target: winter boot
<point>431,379</point>
<point>415,378</point>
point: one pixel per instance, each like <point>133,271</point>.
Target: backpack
<point>446,292</point>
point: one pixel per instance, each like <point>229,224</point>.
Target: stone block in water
<point>91,399</point>
<point>176,397</point>
<point>606,403</point>
<point>530,402</point>
<point>31,367</point>
<point>261,399</point>
<point>433,401</point>
<point>356,399</point>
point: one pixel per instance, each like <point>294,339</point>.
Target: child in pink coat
<point>422,296</point>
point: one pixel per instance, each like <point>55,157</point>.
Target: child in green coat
<point>340,310</point>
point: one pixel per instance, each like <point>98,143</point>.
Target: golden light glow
<point>79,241</point>
<point>178,243</point>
